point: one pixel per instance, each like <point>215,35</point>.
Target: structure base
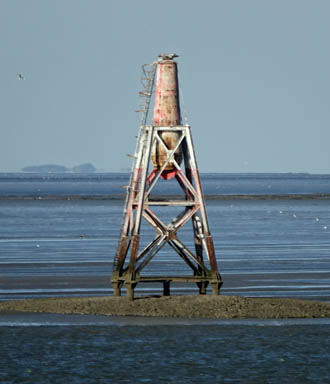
<point>201,281</point>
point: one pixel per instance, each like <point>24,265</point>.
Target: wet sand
<point>193,306</point>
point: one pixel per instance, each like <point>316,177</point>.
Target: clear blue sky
<point>254,74</point>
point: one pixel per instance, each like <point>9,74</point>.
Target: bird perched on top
<point>170,56</point>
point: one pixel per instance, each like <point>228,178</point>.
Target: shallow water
<point>34,184</point>
<point>165,354</point>
<point>264,248</point>
<point>66,247</point>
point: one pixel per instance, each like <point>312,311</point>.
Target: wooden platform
<point>201,281</point>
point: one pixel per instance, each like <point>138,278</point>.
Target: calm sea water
<point>165,354</point>
<point>31,184</point>
<point>66,247</point>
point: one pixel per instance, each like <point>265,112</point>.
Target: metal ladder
<point>147,80</point>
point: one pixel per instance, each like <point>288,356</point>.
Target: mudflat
<point>188,306</point>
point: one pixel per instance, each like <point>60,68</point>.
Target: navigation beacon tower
<point>164,151</point>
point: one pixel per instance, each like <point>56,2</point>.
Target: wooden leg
<point>130,291</point>
<point>116,290</point>
<point>215,288</point>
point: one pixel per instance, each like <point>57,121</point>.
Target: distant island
<point>54,168</point>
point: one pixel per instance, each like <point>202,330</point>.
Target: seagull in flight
<point>20,76</point>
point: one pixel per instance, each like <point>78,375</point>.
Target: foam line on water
<point>56,320</point>
<point>272,272</point>
<point>57,240</point>
<point>287,287</point>
<point>54,290</point>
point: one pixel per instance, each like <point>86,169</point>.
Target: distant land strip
<point>293,196</point>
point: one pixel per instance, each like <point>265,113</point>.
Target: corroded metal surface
<point>166,143</point>
<point>166,114</point>
<point>139,207</point>
<point>167,107</point>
